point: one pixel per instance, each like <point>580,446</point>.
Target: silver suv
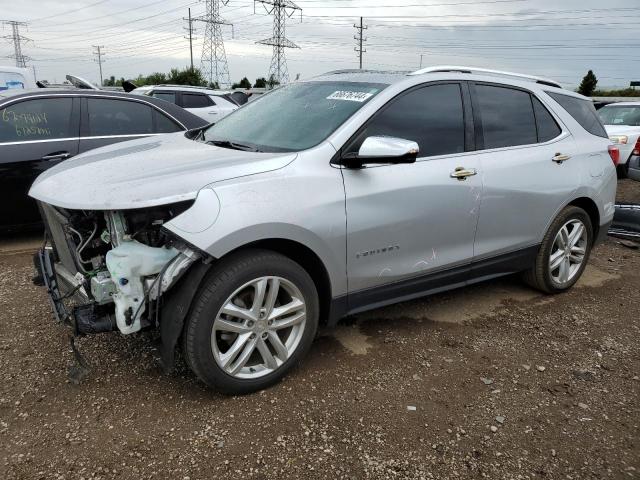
<point>322,199</point>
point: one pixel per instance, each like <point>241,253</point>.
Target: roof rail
<point>500,73</point>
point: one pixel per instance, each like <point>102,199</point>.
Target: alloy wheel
<point>568,252</point>
<point>259,327</point>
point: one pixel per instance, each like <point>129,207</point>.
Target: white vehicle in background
<point>622,122</point>
<point>16,77</point>
<point>212,105</point>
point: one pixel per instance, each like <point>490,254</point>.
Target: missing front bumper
<point>84,316</point>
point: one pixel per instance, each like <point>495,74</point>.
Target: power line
<point>280,9</point>
<point>214,59</point>
<point>17,39</point>
<point>358,48</point>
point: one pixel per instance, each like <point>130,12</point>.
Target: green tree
<point>588,84</point>
<point>188,76</point>
<point>260,83</point>
<point>244,83</point>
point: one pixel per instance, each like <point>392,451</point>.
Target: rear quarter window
<point>582,111</point>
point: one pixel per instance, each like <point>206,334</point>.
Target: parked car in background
<point>211,105</point>
<point>622,122</point>
<point>40,128</point>
<point>16,77</point>
<point>326,197</point>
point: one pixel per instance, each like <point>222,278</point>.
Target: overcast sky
<point>560,40</point>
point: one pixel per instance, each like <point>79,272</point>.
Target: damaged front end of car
<point>109,270</point>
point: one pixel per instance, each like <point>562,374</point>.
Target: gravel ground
<point>494,381</point>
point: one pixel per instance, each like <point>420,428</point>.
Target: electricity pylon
<point>281,9</point>
<point>214,59</point>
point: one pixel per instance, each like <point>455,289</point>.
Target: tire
<point>248,327</point>
<point>549,280</point>
<point>623,170</point>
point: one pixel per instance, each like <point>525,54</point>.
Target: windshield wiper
<point>233,145</point>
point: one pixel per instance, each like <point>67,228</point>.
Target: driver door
<point>411,227</point>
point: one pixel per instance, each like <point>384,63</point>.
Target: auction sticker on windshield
<point>349,96</point>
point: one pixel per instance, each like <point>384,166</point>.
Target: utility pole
<point>190,29</point>
<point>421,55</point>
<point>280,9</point>
<point>99,53</point>
<point>214,59</point>
<point>17,39</point>
<point>358,49</point>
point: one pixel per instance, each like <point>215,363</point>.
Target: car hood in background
<point>621,130</point>
<point>147,172</point>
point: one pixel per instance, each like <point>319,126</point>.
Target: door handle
<point>57,156</point>
<point>462,173</point>
<point>213,113</point>
<point>560,157</point>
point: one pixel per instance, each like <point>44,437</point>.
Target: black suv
<point>40,128</point>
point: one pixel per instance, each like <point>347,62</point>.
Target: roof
<point>455,72</point>
<point>365,76</point>
<point>194,88</point>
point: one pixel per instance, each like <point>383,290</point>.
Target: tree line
<point>187,76</point>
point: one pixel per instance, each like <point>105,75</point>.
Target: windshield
<point>629,115</point>
<point>294,117</point>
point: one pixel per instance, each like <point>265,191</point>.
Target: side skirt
<point>416,287</point>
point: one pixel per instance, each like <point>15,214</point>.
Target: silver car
<point>324,198</point>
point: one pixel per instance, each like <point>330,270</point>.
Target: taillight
<point>636,148</point>
<point>614,153</point>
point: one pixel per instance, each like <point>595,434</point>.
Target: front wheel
<point>564,252</point>
<point>253,319</point>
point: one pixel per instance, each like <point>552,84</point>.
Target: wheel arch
<point>307,259</point>
<point>589,206</point>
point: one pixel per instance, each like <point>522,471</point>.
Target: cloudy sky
<point>560,40</point>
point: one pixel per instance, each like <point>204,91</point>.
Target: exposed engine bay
<point>107,270</point>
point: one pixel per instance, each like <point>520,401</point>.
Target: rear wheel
<point>564,252</point>
<point>254,318</point>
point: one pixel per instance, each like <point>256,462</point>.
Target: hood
<point>621,130</point>
<point>146,172</point>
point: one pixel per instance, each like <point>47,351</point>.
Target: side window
<point>582,111</point>
<point>432,116</point>
<point>168,96</point>
<point>196,100</point>
<point>548,128</point>
<point>37,119</point>
<point>165,125</point>
<point>506,115</point>
<point>118,117</point>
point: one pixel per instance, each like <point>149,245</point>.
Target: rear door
<point>518,139</point>
<point>35,134</point>
<point>107,120</point>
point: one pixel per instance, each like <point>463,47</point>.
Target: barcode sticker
<point>349,96</point>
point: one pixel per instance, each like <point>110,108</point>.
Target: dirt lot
<point>494,381</point>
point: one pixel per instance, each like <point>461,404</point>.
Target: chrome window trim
<point>95,137</point>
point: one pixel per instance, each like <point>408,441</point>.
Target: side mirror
<point>379,150</point>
